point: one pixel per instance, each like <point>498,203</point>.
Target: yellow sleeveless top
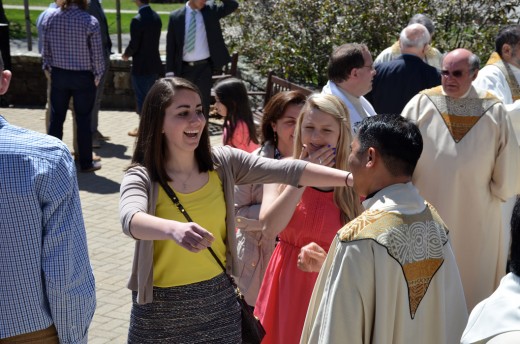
<point>173,265</point>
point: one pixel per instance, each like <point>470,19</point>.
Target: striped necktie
<point>192,30</point>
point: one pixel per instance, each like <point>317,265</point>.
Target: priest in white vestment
<point>390,275</point>
<point>469,166</point>
<point>501,76</point>
<point>497,318</point>
<point>350,72</point>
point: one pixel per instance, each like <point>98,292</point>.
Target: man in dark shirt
<point>145,32</point>
<point>397,81</point>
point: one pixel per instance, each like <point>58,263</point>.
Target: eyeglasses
<point>370,67</point>
<point>455,73</point>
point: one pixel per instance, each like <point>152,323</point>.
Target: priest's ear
<point>372,156</point>
<point>506,51</point>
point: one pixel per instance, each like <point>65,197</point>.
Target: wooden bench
<point>229,70</point>
<point>274,85</point>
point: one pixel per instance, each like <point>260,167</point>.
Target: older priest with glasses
<point>468,167</point>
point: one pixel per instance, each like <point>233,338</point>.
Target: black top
<point>398,81</point>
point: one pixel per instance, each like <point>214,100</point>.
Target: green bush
<point>295,37</point>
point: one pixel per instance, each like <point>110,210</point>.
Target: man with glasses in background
<point>350,72</point>
<point>468,167</point>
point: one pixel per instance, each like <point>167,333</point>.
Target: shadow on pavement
<point>113,150</point>
<point>96,183</point>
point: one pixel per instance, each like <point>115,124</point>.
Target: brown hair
<point>82,4</point>
<point>345,58</point>
<point>275,109</point>
<point>150,146</point>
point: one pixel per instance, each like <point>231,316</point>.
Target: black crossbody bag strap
<point>175,200</point>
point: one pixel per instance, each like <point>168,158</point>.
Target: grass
<point>107,4</point>
<point>17,21</point>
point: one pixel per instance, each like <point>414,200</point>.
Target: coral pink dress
<point>286,291</point>
<point>240,139</point>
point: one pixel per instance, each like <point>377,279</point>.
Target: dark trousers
<point>141,85</point>
<point>99,96</point>
<point>81,87</point>
<point>202,76</point>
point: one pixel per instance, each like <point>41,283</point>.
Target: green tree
<point>295,37</point>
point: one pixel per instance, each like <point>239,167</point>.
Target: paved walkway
<point>111,252</point>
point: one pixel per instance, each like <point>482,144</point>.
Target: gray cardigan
<point>139,194</point>
<point>255,244</point>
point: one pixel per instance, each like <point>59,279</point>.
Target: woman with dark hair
<point>232,102</point>
<point>497,318</point>
<point>180,293</point>
<point>256,243</point>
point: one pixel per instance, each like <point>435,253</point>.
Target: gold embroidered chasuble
<point>414,241</point>
<point>460,114</point>
<point>390,277</point>
<point>468,167</point>
<point>504,67</point>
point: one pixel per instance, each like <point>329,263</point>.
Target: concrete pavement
<point>111,252</point>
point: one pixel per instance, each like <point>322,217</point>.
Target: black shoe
<point>94,167</point>
<point>99,136</point>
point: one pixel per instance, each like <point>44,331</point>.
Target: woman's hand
<point>311,257</point>
<point>192,237</point>
<point>325,156</point>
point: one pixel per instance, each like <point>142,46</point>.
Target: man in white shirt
<point>195,45</point>
<point>350,72</point>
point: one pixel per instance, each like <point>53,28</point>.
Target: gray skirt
<point>203,312</point>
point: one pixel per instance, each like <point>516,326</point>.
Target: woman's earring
<point>275,139</point>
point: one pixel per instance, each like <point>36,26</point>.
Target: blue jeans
<point>141,85</point>
<point>81,87</point>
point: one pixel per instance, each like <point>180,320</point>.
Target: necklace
<point>185,182</point>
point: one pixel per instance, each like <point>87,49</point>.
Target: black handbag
<point>252,330</point>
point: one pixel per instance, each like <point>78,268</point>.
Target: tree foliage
<point>295,37</point>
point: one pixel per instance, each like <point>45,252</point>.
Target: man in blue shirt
<point>47,291</point>
<point>73,54</point>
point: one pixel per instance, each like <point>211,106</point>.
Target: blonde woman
<point>304,215</point>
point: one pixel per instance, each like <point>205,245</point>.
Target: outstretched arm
<point>189,235</point>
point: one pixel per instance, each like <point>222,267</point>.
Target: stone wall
<point>28,85</point>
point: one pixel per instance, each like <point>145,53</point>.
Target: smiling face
<point>319,129</point>
<point>184,121</point>
<point>284,129</point>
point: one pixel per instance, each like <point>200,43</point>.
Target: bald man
<point>468,167</point>
<point>397,81</point>
<point>433,56</point>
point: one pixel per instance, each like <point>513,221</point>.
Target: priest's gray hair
<point>423,20</point>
